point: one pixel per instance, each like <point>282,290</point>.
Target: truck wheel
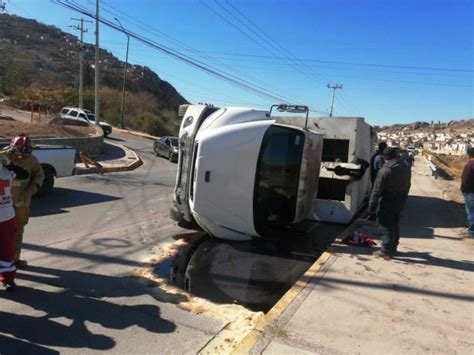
<point>48,182</point>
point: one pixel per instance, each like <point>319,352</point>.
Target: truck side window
<point>73,113</point>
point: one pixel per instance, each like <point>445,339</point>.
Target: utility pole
<point>97,83</point>
<point>121,125</point>
<point>81,59</point>
<point>334,88</point>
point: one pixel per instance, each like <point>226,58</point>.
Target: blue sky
<point>365,45</point>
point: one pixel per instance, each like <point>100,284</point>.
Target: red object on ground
<point>7,250</point>
<point>360,239</point>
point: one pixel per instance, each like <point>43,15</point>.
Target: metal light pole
<point>121,125</point>
<point>333,87</point>
<point>97,83</point>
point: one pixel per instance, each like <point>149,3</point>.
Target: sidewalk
<point>352,302</point>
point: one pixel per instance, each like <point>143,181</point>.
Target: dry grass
<point>453,165</point>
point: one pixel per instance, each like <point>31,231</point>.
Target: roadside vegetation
<point>142,110</point>
<point>452,164</point>
<point>39,67</point>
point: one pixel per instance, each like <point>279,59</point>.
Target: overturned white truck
<point>244,172</point>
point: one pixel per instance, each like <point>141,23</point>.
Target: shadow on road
<point>116,139</point>
<point>16,346</point>
<point>421,216</point>
<point>112,152</point>
<point>71,316</point>
<point>61,198</point>
<point>431,212</point>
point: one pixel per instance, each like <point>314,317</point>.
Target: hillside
<point>42,57</point>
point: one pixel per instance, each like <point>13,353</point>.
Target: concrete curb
<point>245,346</point>
<point>135,133</point>
<point>135,162</point>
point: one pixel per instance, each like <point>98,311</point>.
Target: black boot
<point>10,286</point>
<point>21,264</point>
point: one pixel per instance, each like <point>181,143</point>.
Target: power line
<point>114,12</point>
<point>409,67</point>
<point>334,88</point>
<point>243,84</point>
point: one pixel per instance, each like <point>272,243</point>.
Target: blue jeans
<point>469,201</point>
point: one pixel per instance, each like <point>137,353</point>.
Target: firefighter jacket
<point>36,176</point>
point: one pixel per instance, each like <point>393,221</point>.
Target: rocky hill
<point>33,53</point>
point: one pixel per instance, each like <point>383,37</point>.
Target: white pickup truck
<point>56,161</point>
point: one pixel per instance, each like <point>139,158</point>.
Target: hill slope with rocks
<point>39,56</point>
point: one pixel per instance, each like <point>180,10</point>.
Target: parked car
<point>75,113</point>
<point>167,147</point>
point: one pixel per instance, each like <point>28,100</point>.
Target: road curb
<point>135,162</point>
<point>245,346</point>
<point>135,133</point>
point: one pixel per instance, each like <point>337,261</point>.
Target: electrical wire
<point>239,82</point>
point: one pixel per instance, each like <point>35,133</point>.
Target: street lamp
<point>121,125</point>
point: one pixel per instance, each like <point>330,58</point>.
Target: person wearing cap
<point>467,188</point>
<point>387,200</point>
<point>19,152</point>
<point>376,162</point>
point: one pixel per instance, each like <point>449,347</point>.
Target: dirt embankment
<point>10,129</point>
<point>452,165</point>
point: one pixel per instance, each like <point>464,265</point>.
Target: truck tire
<point>48,182</point>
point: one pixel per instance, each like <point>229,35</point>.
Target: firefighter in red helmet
<point>19,153</point>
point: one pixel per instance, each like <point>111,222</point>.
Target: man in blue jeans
<point>387,200</point>
<point>467,188</point>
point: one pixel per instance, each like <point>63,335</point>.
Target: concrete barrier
<point>91,145</point>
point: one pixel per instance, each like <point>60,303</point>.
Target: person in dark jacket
<point>389,194</point>
<point>376,162</point>
<point>467,188</point>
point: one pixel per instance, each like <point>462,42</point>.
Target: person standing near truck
<point>388,197</point>
<point>19,153</point>
<point>7,221</point>
<point>376,162</point>
<point>467,188</point>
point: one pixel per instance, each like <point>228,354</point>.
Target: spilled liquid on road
<point>254,274</point>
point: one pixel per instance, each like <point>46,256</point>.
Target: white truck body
<point>60,159</point>
<point>56,162</point>
<point>240,173</point>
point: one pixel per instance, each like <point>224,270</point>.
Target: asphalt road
<point>84,240</point>
<point>88,204</point>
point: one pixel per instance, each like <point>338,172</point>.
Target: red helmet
<point>22,144</point>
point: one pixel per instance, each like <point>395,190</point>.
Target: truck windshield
<point>276,183</point>
<point>174,142</point>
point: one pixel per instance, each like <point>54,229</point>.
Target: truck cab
<point>241,174</point>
